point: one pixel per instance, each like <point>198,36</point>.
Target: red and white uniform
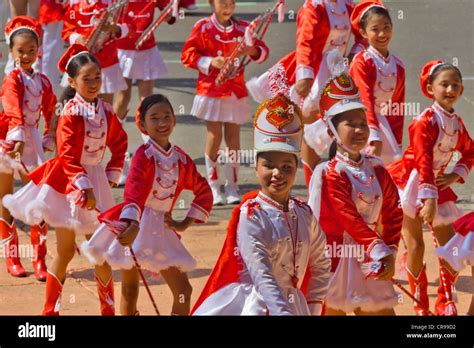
<point>356,205</point>
<point>25,97</point>
<point>280,266</point>
<point>146,63</point>
<point>322,26</point>
<point>84,132</point>
<point>209,39</point>
<point>154,184</point>
<point>435,135</point>
<point>80,19</point>
<point>459,250</point>
<point>51,14</point>
<point>381,83</point>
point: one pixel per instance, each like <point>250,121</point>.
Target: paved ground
<point>420,34</point>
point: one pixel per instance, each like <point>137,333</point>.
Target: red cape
<point>229,265</point>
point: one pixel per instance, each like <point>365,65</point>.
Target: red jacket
<point>78,143</point>
<point>80,19</point>
<point>317,33</point>
<point>138,15</point>
<point>209,39</point>
<point>378,87</point>
<point>13,100</point>
<point>424,155</point>
<point>141,188</point>
<point>359,199</point>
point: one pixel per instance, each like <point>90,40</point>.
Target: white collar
<point>220,27</point>
<point>443,111</point>
<point>379,55</point>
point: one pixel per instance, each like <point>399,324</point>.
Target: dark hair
<point>443,67</point>
<point>333,148</point>
<point>258,156</point>
<point>72,70</point>
<point>375,10</point>
<point>151,100</point>
<point>78,62</point>
<point>23,31</point>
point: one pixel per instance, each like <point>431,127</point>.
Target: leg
<point>33,8</point>
<point>145,88</point>
<point>416,271</point>
<point>181,289</point>
<point>57,271</point>
<point>447,276</point>
<point>470,311</point>
<point>232,139</point>
<point>122,100</point>
<point>18,8</point>
<point>310,160</point>
<point>130,290</point>
<point>8,230</point>
<point>334,312</point>
<point>383,312</point>
<point>213,142</point>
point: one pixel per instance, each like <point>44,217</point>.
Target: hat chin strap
<point>339,140</point>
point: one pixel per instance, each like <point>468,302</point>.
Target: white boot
<point>231,188</point>
<point>212,170</point>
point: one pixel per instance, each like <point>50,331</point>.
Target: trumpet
<point>236,62</point>
<point>97,38</point>
<point>169,13</point>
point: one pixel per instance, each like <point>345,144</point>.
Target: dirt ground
<point>25,296</point>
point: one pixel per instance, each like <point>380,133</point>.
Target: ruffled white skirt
<point>458,251</point>
<point>33,204</point>
<point>142,65</point>
<point>156,246</point>
<point>243,299</point>
<point>349,290</point>
<point>446,213</point>
<point>112,80</point>
<point>227,109</point>
<point>32,156</point>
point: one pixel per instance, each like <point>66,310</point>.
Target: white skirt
<point>349,290</point>
<point>227,109</point>
<point>32,204</point>
<point>32,156</point>
<point>156,247</point>
<point>112,80</point>
<point>446,213</point>
<point>458,251</point>
<point>142,65</point>
<point>243,299</point>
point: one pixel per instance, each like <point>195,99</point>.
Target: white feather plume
<point>336,63</point>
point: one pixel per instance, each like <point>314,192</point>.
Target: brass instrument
<point>236,62</point>
<point>97,38</point>
<point>168,12</point>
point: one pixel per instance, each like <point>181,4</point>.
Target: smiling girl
<point>380,77</point>
<point>159,172</point>
<point>273,260</point>
<point>435,135</point>
<point>67,190</point>
<point>224,107</point>
<point>25,95</point>
<point>356,204</point>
